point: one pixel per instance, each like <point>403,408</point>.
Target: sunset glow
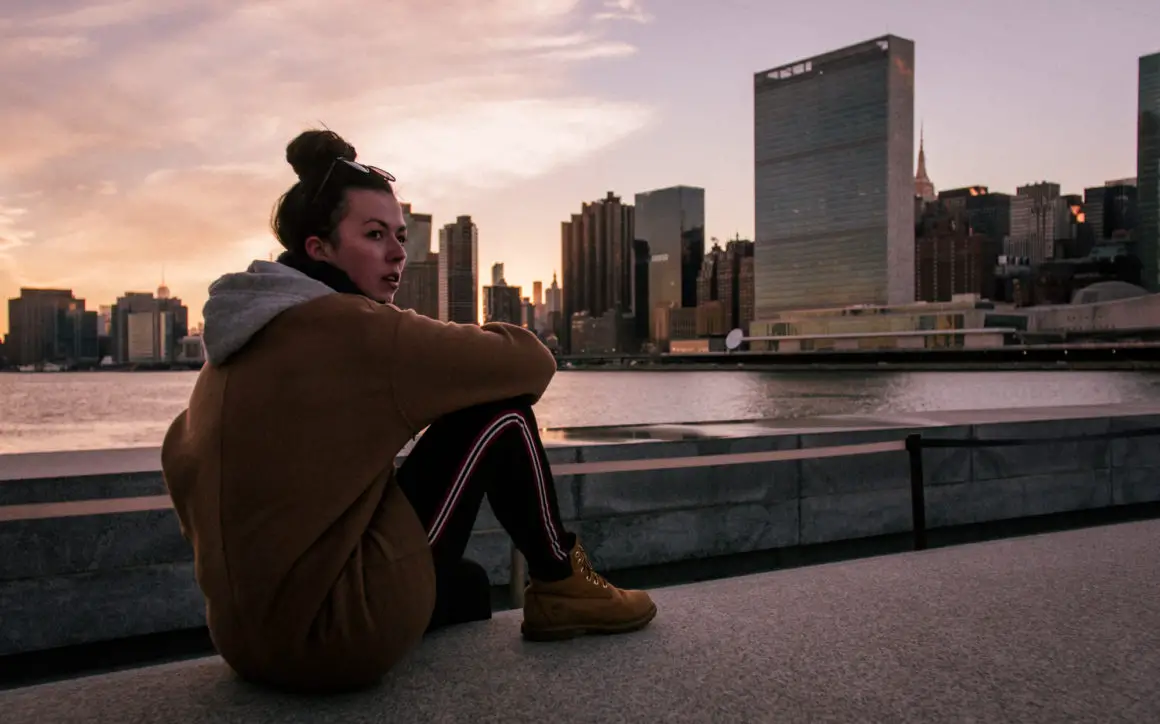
<point>138,135</point>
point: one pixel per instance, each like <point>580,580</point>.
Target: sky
<point>142,138</point>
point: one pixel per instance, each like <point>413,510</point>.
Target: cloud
<point>46,47</point>
<point>591,52</point>
<point>540,42</point>
<point>13,236</point>
<point>623,10</point>
<point>572,47</point>
<point>81,15</point>
<point>12,233</point>
<point>490,144</point>
<point>137,133</point>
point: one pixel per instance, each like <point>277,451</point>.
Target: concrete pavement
<point>1051,628</point>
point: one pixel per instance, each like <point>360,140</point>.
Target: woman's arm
<point>440,367</point>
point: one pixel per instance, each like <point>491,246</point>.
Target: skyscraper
<point>148,329</point>
<point>1120,208</point>
<point>553,298</point>
<point>923,186</point>
<point>459,272</point>
<point>50,325</point>
<point>502,303</point>
<point>1148,171</point>
<point>539,312</point>
<point>988,212</point>
<point>725,288</point>
<point>712,314</point>
<point>1040,216</point>
<point>670,233</point>
<point>554,303</point>
<point>596,249</point>
<point>419,289</point>
<point>834,184</point>
<point>418,235</point>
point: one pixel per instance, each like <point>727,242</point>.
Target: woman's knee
<point>487,412</point>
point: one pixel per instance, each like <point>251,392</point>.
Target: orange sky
<point>146,136</point>
<point>141,135</point>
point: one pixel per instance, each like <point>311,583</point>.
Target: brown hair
<point>315,205</point>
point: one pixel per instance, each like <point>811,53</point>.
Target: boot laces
<point>585,567</point>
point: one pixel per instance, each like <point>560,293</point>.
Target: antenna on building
<point>163,290</point>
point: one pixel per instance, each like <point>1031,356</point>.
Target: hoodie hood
<point>242,303</point>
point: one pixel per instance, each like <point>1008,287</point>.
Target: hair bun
<point>312,152</point>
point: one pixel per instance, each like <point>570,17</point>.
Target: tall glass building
<point>459,272</point>
<point>1148,171</point>
<point>670,229</point>
<point>834,184</point>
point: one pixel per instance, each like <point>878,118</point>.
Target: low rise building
<point>959,323</point>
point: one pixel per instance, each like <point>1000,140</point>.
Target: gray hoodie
<point>242,303</point>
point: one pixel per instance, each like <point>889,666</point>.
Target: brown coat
<point>316,571</point>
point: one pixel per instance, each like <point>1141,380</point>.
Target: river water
<point>88,410</point>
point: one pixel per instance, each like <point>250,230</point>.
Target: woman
<point>320,563</point>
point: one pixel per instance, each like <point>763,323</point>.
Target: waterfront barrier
<point>93,551</point>
<point>1117,354</point>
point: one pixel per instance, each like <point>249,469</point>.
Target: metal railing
<point>914,445</point>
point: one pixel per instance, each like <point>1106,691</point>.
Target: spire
<point>923,187</point>
<point>921,175</point>
<point>163,290</point>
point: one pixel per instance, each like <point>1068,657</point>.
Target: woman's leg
<point>446,475</point>
<point>495,450</point>
<point>491,450</point>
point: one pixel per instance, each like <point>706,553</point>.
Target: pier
<point>1049,627</point>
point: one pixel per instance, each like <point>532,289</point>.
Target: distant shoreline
<point>878,367</point>
<point>1125,356</point>
<point>835,366</point>
<point>110,368</point>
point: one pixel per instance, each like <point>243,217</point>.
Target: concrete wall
<point>1134,313</point>
<point>79,579</point>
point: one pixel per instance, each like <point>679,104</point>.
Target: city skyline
<point>560,119</point>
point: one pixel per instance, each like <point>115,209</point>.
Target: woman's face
<point>370,239</point>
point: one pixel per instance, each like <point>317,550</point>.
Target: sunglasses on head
<point>362,168</point>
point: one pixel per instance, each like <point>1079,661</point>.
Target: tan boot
<point>583,603</point>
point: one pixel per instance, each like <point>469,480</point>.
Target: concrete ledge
<point>63,546</point>
<point>42,613</point>
<point>1135,485</point>
<point>1014,462</point>
<point>668,536</point>
<point>1046,628</point>
<point>56,489</point>
<point>628,519</point>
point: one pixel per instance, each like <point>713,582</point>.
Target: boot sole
<point>563,633</point>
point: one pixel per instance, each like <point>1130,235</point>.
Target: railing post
<point>518,574</point>
<point>917,490</point>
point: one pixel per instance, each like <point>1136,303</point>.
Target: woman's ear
<point>317,248</point>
